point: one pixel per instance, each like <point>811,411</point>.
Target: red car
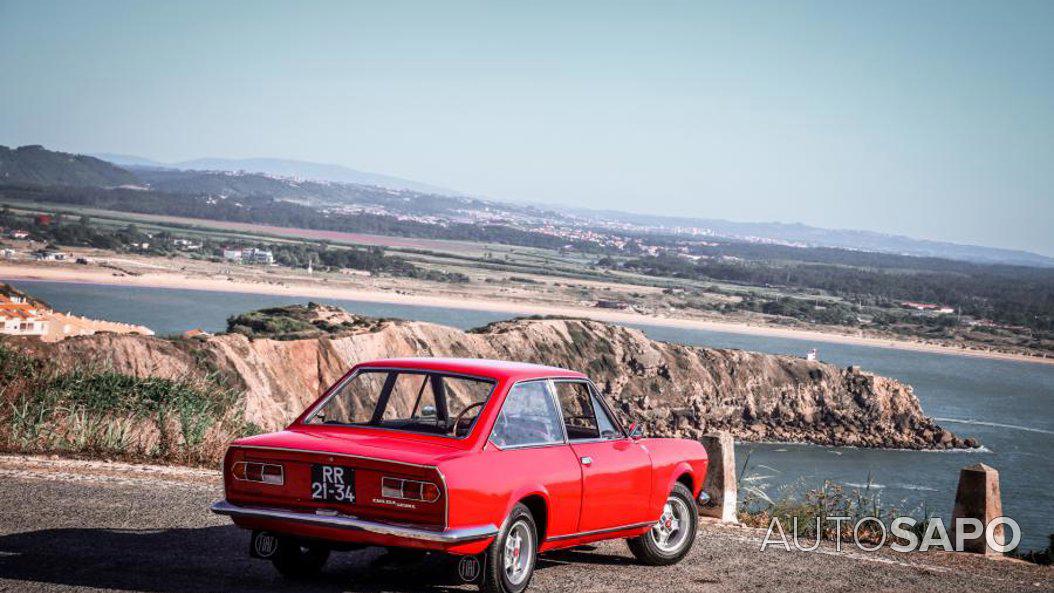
<point>491,461</point>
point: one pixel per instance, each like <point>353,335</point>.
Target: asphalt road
<point>88,526</point>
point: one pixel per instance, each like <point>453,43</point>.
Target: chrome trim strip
<point>527,446</point>
<point>449,536</point>
<point>597,440</point>
<point>607,408</point>
<point>600,531</point>
<point>551,385</point>
<point>446,498</point>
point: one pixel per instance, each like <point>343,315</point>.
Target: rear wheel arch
<point>538,505</point>
<point>688,480</point>
<point>682,474</point>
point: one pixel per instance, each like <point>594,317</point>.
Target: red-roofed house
<point>17,317</point>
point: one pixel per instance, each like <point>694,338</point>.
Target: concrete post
<point>720,482</point>
<point>977,497</point>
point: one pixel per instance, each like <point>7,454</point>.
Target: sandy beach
<point>168,279</point>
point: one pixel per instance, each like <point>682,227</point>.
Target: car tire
<point>510,559</point>
<point>671,538</point>
<point>295,560</point>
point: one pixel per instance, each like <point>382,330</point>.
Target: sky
<point>931,119</point>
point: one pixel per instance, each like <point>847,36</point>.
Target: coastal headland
<point>279,360</point>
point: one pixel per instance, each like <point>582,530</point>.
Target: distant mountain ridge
<point>312,193</point>
<point>128,160</point>
<point>38,165</point>
<point>285,168</point>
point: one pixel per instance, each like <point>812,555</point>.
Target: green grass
<point>91,409</point>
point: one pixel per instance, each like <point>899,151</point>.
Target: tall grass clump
<point>797,507</point>
<point>92,409</point>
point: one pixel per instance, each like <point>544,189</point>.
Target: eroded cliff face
<point>672,389</point>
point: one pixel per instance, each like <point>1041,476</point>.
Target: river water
<point>1008,406</point>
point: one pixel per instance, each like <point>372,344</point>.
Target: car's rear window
<point>415,401</point>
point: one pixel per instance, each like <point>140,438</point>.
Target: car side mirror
<point>428,411</point>
<point>636,431</point>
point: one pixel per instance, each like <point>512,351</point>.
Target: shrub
<point>92,409</point>
<point>1043,557</point>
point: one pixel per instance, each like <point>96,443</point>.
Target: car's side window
<point>576,403</point>
<point>528,417</point>
<point>604,422</point>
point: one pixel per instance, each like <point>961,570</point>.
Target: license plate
<point>332,483</point>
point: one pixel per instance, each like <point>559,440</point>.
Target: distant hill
<point>35,164</point>
<point>285,168</point>
<point>127,160</point>
<point>312,193</point>
<point>223,183</point>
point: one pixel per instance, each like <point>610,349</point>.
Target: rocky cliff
<point>673,389</point>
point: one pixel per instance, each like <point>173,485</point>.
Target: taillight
<point>265,473</point>
<point>409,489</point>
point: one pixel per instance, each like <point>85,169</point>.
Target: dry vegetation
<point>92,410</point>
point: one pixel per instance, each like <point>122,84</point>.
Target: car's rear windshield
<point>415,401</point>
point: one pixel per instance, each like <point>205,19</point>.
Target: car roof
<point>479,367</point>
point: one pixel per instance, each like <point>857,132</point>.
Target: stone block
<point>720,482</point>
<point>978,497</point>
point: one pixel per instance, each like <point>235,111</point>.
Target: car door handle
<point>587,461</point>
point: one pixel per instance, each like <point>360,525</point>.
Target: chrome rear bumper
<point>447,536</point>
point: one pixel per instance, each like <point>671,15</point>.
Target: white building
<point>186,245</point>
<point>47,255</point>
<point>257,256</point>
<point>249,256</point>
<point>19,318</point>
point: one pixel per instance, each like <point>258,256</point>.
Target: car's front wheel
<point>673,534</point>
<point>297,561</point>
<point>510,559</point>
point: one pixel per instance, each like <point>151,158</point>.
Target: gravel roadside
<point>71,525</point>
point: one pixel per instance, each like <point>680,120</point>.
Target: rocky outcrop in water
<point>673,389</point>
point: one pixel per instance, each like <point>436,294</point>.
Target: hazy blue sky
<point>933,119</point>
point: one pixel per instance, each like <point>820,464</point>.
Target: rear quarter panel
<point>671,459</point>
